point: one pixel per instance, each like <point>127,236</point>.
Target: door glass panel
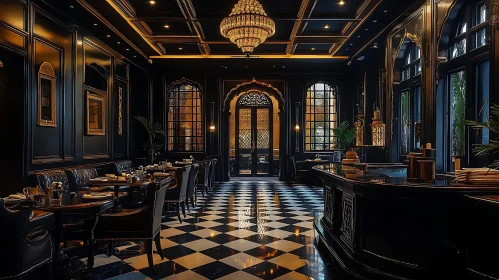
<point>263,141</point>
<point>245,141</point>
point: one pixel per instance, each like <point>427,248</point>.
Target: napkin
<point>17,196</point>
<point>97,195</point>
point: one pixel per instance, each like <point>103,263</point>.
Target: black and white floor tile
<point>241,230</point>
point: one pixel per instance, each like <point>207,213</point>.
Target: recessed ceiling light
<point>375,46</point>
<point>361,58</point>
<point>358,36</point>
<point>119,42</point>
<point>375,20</point>
<point>152,2</point>
<point>72,7</point>
<point>134,56</point>
<point>326,26</point>
<point>313,49</point>
<point>180,49</point>
<point>347,49</point>
<point>367,29</point>
<point>341,3</point>
<point>127,49</point>
<point>274,66</point>
<point>108,36</point>
<point>95,24</point>
<point>351,44</point>
<point>386,11</point>
<point>246,66</point>
<point>283,66</point>
<point>166,26</point>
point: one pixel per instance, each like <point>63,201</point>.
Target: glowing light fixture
<point>166,26</point>
<point>152,2</point>
<point>326,26</point>
<point>341,3</point>
<point>248,25</point>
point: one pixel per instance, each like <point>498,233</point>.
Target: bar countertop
<point>392,175</point>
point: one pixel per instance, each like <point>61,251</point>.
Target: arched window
<point>185,118</point>
<point>409,62</point>
<point>321,116</point>
<point>464,90</point>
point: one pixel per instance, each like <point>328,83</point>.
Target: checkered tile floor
<point>242,230</point>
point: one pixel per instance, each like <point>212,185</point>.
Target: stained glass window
<point>185,119</point>
<point>321,116</point>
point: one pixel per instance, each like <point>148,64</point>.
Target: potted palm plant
<point>344,136</point>
<point>155,133</point>
<point>491,148</point>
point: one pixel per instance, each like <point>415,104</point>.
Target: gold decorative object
<point>248,25</point>
<point>378,130</point>
<point>359,133</point>
<point>47,100</point>
<point>96,114</point>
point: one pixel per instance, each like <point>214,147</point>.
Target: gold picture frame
<point>96,114</point>
<point>47,99</point>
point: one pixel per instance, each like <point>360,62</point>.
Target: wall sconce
<point>379,131</point>
<point>297,127</point>
<point>212,128</point>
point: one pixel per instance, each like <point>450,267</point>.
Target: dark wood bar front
<point>380,225</point>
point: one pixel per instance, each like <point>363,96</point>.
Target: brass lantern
<point>378,130</point>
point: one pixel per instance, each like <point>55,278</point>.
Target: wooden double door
<point>254,143</point>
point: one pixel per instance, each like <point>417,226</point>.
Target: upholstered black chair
<point>203,179</point>
<point>118,167</point>
<point>191,186</point>
<point>78,177</point>
<point>27,243</point>
<point>137,224</point>
<point>213,171</point>
<point>297,174</point>
<point>44,179</point>
<point>177,193</point>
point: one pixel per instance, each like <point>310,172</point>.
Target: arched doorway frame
<point>237,91</point>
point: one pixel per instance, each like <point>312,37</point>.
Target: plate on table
<point>99,179</point>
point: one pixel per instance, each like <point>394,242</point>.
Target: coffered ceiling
<point>305,29</point>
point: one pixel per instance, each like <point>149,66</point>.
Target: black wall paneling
<point>34,32</point>
<point>98,73</point>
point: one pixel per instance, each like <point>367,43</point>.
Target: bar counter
<point>382,226</point>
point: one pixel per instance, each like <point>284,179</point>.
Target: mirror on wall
<point>47,102</point>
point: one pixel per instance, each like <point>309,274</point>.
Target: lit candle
<point>457,164</point>
<point>428,145</point>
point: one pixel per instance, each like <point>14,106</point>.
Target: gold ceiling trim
<point>132,24</point>
<point>270,56</point>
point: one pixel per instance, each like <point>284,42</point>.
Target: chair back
<point>156,199</point>
<point>45,178</point>
<point>213,169</point>
<point>204,173</point>
<point>78,177</point>
<point>293,167</point>
<point>191,185</point>
<point>184,182</point>
<point>24,247</point>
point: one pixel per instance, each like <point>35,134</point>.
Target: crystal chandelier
<point>248,25</point>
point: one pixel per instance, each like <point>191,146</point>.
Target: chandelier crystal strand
<point>248,25</point>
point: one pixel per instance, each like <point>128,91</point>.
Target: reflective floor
<point>242,230</point>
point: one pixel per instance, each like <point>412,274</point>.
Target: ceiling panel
<point>331,7</point>
<point>166,8</point>
<point>174,28</point>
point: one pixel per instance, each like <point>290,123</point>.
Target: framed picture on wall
<point>96,114</point>
<point>47,102</point>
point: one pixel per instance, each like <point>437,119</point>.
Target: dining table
<point>82,207</point>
